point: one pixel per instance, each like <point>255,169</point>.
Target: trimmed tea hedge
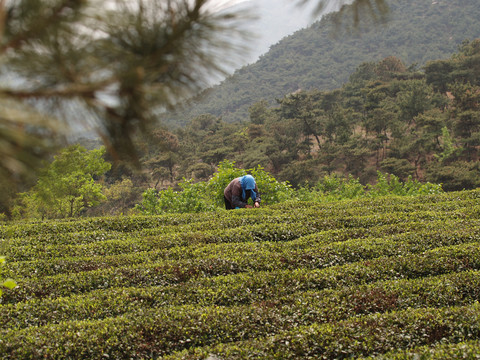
<point>374,334</point>
<point>387,277</point>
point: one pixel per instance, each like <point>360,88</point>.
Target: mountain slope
<point>324,55</point>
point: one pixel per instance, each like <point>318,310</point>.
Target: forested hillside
<point>324,55</point>
<point>388,117</point>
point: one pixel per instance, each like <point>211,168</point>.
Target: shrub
<point>192,198</point>
<point>335,187</point>
<point>225,173</point>
<point>389,184</point>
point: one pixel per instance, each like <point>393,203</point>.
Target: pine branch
<point>57,15</point>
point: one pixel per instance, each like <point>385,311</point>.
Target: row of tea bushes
<point>293,280</point>
<point>174,222</point>
<point>120,224</point>
<point>312,326</point>
<point>215,263</point>
<point>266,231</point>
<point>461,350</point>
<point>426,235</point>
<point>333,302</point>
<point>202,324</point>
<point>373,334</point>
<point>248,288</point>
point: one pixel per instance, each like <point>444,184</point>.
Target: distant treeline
<point>388,117</point>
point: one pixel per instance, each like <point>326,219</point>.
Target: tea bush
<point>388,277</point>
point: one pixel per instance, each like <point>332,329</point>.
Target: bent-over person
<point>236,194</point>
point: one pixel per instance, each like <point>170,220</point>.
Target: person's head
<point>248,183</point>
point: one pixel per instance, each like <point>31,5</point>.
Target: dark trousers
<point>228,205</point>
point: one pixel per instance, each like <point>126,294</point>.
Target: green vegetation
<point>420,125</point>
<point>58,81</point>
<point>208,196</point>
<point>66,186</point>
<point>205,196</point>
<point>356,251</point>
<point>8,283</point>
<point>398,274</point>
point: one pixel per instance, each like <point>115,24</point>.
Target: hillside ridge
<point>324,55</point>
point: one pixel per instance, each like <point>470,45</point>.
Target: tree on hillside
<point>67,185</point>
<point>121,197</point>
<point>459,78</point>
<point>300,108</point>
<point>161,156</point>
<point>467,62</point>
<point>466,114</point>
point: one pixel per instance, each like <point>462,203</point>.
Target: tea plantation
<point>390,277</point>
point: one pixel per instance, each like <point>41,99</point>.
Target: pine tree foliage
<point>118,63</point>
